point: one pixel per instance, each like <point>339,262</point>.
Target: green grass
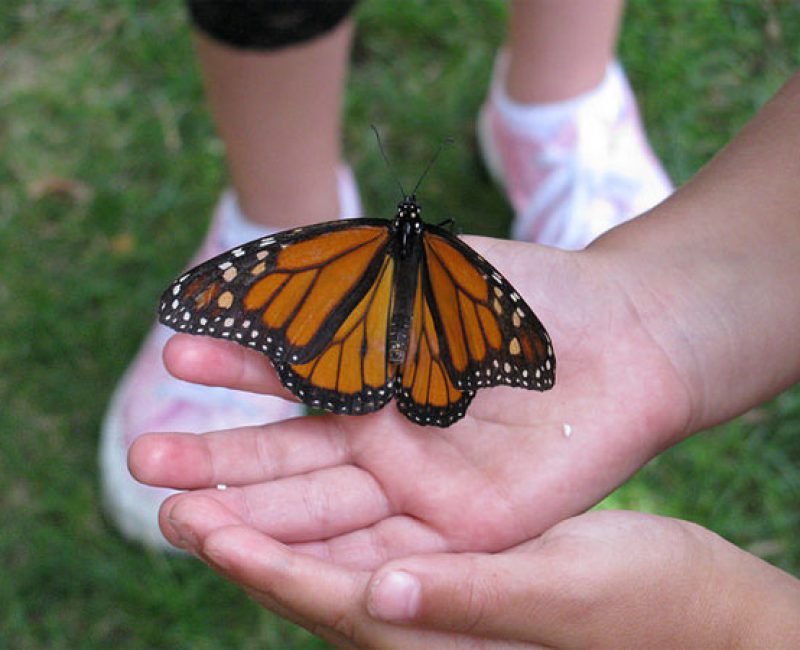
<point>106,96</point>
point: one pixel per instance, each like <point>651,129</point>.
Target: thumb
<point>506,596</point>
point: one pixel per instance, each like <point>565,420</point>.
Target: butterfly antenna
<point>444,143</point>
<point>386,160</point>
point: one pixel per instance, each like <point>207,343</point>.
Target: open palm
<point>361,490</point>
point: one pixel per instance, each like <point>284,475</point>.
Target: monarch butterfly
<point>352,313</point>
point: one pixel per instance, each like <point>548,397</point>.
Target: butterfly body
<point>352,313</point>
<point>407,229</point>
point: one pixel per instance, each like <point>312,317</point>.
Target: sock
<point>235,228</point>
<point>543,121</point>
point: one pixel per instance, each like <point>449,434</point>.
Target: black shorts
<point>267,24</point>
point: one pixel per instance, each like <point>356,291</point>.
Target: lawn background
<point>109,168</point>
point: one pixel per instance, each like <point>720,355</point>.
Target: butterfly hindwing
<point>426,392</point>
<point>291,296</point>
<point>490,336</point>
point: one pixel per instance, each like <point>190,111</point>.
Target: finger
<point>214,362</point>
<point>365,545</point>
<point>326,599</point>
<point>239,456</point>
<point>315,506</point>
<point>186,519</point>
<point>370,547</point>
<point>322,597</point>
<point>505,596</point>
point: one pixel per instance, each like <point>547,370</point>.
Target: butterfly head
<point>408,224</point>
<point>408,209</point>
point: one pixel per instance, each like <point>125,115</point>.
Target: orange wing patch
<point>331,283</point>
<point>263,290</point>
<point>461,292</point>
<point>321,249</point>
<point>310,279</point>
<point>351,374</point>
<point>446,294</point>
<point>294,290</point>
<point>291,293</point>
<point>427,393</point>
<point>462,271</point>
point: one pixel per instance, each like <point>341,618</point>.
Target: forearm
<point>714,272</point>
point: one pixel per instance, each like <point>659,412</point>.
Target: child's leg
<point>559,49</point>
<point>279,116</point>
<point>560,130</point>
<point>278,112</point>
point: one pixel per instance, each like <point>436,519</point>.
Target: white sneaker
<point>149,399</point>
<point>574,169</point>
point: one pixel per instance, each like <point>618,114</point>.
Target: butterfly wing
<point>351,373</point>
<point>426,392</point>
<point>316,300</point>
<point>488,334</point>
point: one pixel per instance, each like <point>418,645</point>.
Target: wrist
<point>655,292</point>
<point>696,298</point>
<point>711,269</point>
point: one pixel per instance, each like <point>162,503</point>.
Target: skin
<point>282,133</point>
<point>609,579</point>
<point>666,325</point>
<point>559,49</point>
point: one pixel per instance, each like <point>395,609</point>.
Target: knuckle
<point>343,625</point>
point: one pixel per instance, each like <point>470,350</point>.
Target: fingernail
<point>395,597</point>
<point>186,537</point>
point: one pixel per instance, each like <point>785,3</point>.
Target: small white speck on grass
<point>222,486</point>
<point>567,430</point>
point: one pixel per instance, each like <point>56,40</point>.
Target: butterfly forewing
<point>302,297</point>
<point>491,337</point>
